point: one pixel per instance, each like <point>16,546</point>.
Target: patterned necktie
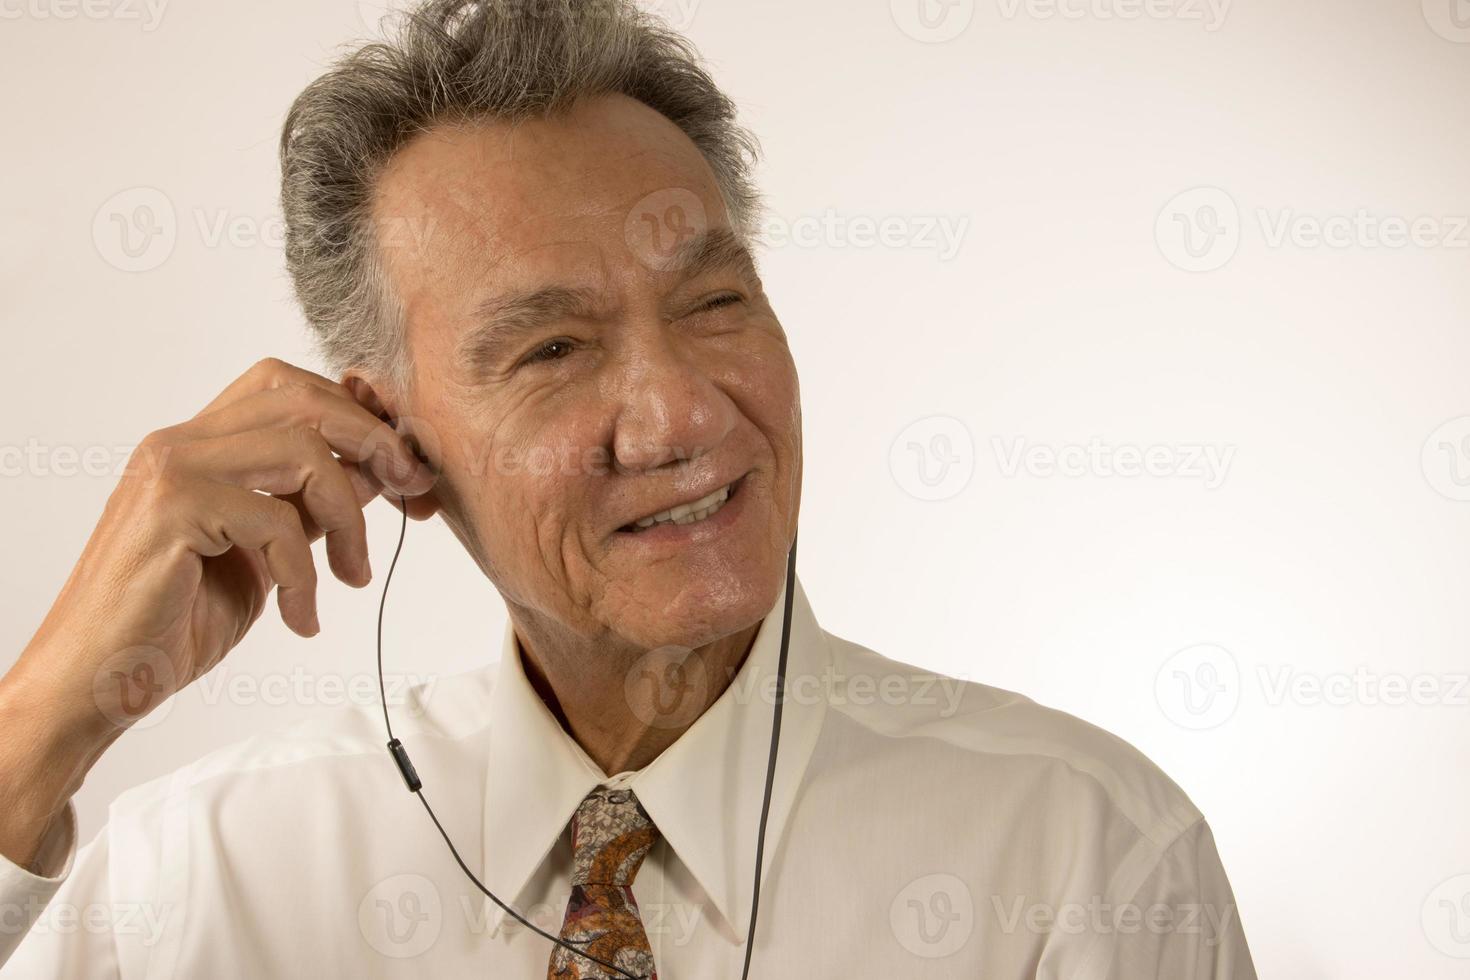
<point>610,837</point>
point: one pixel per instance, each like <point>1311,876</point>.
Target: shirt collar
<point>703,792</point>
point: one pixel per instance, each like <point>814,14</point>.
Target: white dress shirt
<point>920,827</point>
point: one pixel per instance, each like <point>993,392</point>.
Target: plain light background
<point>1019,247</point>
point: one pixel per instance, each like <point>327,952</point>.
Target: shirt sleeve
<point>56,915</point>
<point>1182,923</point>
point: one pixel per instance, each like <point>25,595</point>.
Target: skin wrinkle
<point>479,370</point>
<point>517,312</point>
<point>674,395</point>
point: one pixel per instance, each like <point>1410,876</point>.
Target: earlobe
<point>422,507</point>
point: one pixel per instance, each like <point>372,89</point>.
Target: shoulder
<point>335,745</point>
<point>302,805</point>
<point>1005,738</point>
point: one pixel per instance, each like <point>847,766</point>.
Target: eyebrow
<point>710,251</point>
<point>500,321</point>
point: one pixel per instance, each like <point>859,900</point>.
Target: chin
<point>699,608</point>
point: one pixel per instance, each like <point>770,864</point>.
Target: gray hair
<point>457,60</point>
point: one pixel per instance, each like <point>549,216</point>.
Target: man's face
<point>592,348</point>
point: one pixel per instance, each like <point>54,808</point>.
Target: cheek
<point>764,382</point>
<point>542,481</point>
<point>771,399</point>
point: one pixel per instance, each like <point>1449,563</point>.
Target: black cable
<point>760,840</point>
<point>410,777</point>
<point>415,786</point>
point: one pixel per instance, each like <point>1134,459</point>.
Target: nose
<point>671,410</point>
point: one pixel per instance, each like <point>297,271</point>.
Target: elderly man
<point>520,230</point>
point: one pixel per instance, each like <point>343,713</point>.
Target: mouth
<point>692,512</point>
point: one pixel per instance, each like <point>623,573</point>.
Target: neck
<point>621,719</point>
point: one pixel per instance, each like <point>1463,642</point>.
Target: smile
<point>691,513</point>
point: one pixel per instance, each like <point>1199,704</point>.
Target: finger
<point>364,484</point>
<point>292,461</point>
<point>227,517</point>
<point>351,430</point>
<point>268,373</point>
<point>364,487</point>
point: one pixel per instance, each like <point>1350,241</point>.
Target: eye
<point>552,350</point>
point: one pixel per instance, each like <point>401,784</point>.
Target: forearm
<point>47,746</point>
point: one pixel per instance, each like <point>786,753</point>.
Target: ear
<point>362,389</point>
<point>381,404</point>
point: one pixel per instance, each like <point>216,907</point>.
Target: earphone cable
<point>415,785</point>
<point>760,839</point>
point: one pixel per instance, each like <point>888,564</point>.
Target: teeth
<point>688,513</point>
